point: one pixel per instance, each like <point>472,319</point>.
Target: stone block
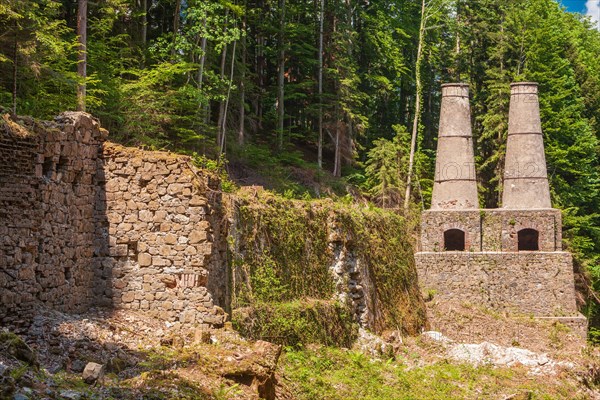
<point>144,260</point>
<point>197,236</point>
<point>93,373</point>
<point>170,238</point>
<point>145,215</point>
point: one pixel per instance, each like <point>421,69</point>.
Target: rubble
<point>486,353</point>
<point>93,373</point>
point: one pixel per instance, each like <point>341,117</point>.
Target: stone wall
<point>537,283</point>
<point>492,272</point>
<point>491,229</point>
<point>435,223</point>
<point>48,189</point>
<point>500,228</point>
<point>83,223</point>
<point>165,251</point>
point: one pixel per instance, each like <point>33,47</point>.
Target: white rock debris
<point>487,353</point>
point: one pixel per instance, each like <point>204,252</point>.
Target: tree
<point>428,10</point>
<point>36,72</point>
<point>320,83</point>
<point>281,75</point>
<point>384,168</point>
<point>82,53</point>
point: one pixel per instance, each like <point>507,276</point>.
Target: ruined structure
<point>84,222</point>
<point>509,258</point>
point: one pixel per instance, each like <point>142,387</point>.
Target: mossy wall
<point>302,252</point>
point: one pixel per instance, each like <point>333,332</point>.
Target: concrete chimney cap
<point>455,90</point>
<point>461,84</point>
<point>523,84</point>
<point>524,88</point>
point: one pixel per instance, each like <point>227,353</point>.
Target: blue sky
<point>575,5</point>
<point>589,7</point>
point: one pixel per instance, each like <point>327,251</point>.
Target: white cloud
<point>593,9</point>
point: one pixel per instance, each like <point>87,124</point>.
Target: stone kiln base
<point>530,282</point>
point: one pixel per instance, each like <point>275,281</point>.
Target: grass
<point>330,374</point>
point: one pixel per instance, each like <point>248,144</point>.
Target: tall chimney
<point>455,186</point>
<point>525,175</point>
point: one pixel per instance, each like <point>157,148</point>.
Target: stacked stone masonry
<point>537,283</point>
<point>491,229</point>
<point>85,222</point>
<point>47,197</point>
<point>491,271</point>
<point>509,258</point>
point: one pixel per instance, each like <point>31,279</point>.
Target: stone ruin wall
<point>47,196</point>
<point>162,219</point>
<point>85,223</point>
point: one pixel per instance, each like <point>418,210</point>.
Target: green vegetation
<point>331,374</point>
<point>283,283</point>
<point>16,347</point>
<point>298,322</point>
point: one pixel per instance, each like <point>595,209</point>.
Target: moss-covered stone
<point>297,252</point>
<point>16,347</point>
<point>297,322</point>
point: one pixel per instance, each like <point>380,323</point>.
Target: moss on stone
<point>298,322</point>
<point>285,252</point>
<point>16,347</point>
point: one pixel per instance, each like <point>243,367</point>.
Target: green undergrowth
<point>283,252</point>
<point>332,374</point>
<point>288,172</point>
<point>296,322</point>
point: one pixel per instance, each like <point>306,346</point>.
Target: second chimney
<point>525,176</point>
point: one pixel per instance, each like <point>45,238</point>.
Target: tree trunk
<point>337,163</point>
<point>259,73</point>
<point>241,131</point>
<point>176,19</point>
<point>222,103</point>
<point>415,129</point>
<point>320,80</point>
<point>82,53</point>
<point>457,45</point>
<point>144,23</point>
<point>223,128</point>
<point>280,78</point>
<point>15,72</point>
<point>202,59</point>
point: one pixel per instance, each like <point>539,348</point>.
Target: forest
<point>336,89</point>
